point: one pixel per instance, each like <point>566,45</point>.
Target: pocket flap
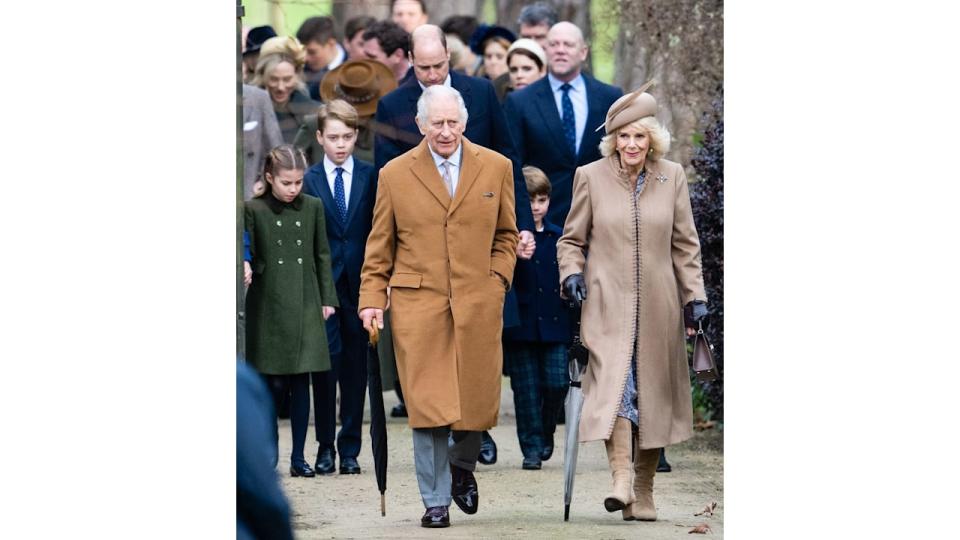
<point>406,280</point>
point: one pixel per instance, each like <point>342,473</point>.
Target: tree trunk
<point>344,10</point>
<point>439,10</point>
<point>679,43</point>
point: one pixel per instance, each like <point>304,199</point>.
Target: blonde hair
<point>659,138</point>
<point>537,181</point>
<point>337,109</point>
<point>266,64</point>
<point>285,157</point>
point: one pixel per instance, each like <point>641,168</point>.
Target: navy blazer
<point>397,130</point>
<point>544,316</point>
<point>347,242</point>
<point>537,129</point>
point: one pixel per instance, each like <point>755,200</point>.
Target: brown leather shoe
<point>464,489</point>
<point>436,517</point>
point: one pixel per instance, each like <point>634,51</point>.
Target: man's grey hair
<point>434,92</point>
<point>537,14</point>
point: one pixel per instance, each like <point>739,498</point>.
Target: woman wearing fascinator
<point>642,289</point>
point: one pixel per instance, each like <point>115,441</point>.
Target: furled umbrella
<point>577,364</point>
<point>378,420</point>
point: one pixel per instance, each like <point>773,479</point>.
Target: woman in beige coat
<point>631,213</point>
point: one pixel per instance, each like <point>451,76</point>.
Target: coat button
<point>298,223</point>
<point>539,318</point>
<point>280,261</point>
<point>278,223</point>
<point>279,242</point>
<point>536,261</point>
<point>299,242</point>
<point>539,289</point>
<point>299,260</point>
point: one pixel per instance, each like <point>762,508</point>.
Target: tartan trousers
<point>539,379</point>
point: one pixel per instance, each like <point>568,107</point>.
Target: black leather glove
<point>694,312</point>
<point>575,289</point>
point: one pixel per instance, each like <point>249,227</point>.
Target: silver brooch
<point>661,178</point>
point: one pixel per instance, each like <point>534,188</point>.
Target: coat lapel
<point>547,107</point>
<point>360,181</point>
<point>322,189</point>
<point>426,171</point>
<point>462,85</point>
<point>470,167</point>
<point>596,115</point>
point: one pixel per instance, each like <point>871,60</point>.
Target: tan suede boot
<point>646,467</point>
<point>618,453</point>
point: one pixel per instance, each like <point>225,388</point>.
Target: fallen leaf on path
<point>708,509</point>
<point>702,528</point>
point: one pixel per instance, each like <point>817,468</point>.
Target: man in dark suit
<point>347,188</point>
<point>553,120</point>
<point>397,133</point>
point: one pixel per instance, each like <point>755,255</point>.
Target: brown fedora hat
<point>360,83</point>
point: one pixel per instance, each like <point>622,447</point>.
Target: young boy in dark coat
<point>536,351</point>
<point>347,188</point>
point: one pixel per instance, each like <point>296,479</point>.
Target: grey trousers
<point>433,452</point>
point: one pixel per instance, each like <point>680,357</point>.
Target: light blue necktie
<point>339,196</point>
<point>569,123</point>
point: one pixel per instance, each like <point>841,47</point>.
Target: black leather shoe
<point>547,452</point>
<point>531,464</point>
<point>436,517</point>
<point>488,450</point>
<point>325,464</point>
<point>301,469</point>
<point>663,466</point>
<point>349,465</point>
<point>464,489</point>
<point>400,411</point>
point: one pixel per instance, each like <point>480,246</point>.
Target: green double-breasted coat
<point>292,280</point>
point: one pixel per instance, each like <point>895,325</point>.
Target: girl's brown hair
<point>285,157</point>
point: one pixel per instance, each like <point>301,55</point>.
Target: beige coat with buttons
<point>643,267</point>
<point>448,265</point>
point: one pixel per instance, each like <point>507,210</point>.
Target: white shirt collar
<point>446,82</point>
<point>454,158</point>
<point>338,59</point>
<point>331,167</point>
<point>555,83</point>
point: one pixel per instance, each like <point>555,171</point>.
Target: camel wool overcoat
<point>643,267</point>
<point>448,265</point>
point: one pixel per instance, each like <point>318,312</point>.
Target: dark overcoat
<point>537,130</point>
<point>544,316</point>
<point>292,280</point>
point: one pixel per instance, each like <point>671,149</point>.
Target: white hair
<point>432,93</point>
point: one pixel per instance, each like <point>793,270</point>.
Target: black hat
<point>255,38</point>
<point>485,32</point>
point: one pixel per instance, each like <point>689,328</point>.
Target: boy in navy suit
<point>347,187</point>
<point>536,351</point>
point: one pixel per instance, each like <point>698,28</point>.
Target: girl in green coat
<point>291,293</point>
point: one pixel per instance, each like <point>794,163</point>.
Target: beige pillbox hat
<point>630,108</point>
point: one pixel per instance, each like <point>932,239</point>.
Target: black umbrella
<point>378,420</point>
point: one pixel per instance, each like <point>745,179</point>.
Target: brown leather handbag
<point>703,363</point>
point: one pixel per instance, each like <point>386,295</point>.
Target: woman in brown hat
<point>361,83</point>
<point>631,212</point>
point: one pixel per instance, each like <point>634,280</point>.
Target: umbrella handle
<point>374,333</point>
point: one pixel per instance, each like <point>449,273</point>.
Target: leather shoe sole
<point>612,504</point>
<point>532,464</point>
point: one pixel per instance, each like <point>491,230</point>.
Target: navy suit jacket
<point>537,129</point>
<point>397,130</point>
<point>347,242</point>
